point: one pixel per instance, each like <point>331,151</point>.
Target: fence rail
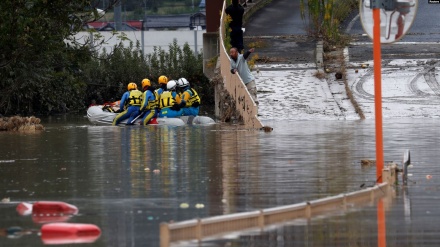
<point>198,229</point>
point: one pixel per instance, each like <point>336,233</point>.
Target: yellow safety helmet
<point>163,79</point>
<point>146,82</point>
<point>132,86</point>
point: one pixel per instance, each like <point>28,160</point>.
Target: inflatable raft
<point>98,116</point>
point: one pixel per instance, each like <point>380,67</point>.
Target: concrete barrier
<point>235,86</point>
<point>198,229</point>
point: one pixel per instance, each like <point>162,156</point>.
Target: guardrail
<point>198,229</point>
<point>235,86</point>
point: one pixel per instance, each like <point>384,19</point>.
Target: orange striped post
<point>377,58</point>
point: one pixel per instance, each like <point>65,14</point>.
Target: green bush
<point>325,17</point>
<point>108,75</point>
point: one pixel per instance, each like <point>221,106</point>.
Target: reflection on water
<point>127,180</point>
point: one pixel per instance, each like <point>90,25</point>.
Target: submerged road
<point>291,87</point>
<point>285,70</point>
<point>410,84</point>
<point>280,33</point>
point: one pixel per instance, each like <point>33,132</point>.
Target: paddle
<point>138,116</point>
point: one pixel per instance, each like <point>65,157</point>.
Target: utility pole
<point>118,16</point>
<point>398,15</point>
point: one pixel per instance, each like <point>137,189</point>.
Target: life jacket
<point>194,97</point>
<point>107,108</point>
<point>153,104</point>
<point>157,93</point>
<point>166,99</point>
<point>135,98</point>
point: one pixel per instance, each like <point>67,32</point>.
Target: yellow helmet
<point>146,82</point>
<point>132,86</point>
<point>163,79</point>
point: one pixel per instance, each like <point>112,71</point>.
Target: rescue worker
<point>149,102</point>
<point>131,102</point>
<point>167,103</point>
<point>163,80</point>
<point>188,99</point>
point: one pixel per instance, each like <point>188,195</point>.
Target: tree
<point>107,76</point>
<point>39,59</point>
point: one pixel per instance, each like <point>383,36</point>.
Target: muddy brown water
<point>127,180</point>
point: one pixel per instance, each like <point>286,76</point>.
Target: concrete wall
<point>236,88</point>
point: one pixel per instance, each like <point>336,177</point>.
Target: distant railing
<point>235,86</point>
<point>198,229</point>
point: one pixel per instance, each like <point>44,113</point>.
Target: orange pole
<point>378,93</point>
<point>381,229</point>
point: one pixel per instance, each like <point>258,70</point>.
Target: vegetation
<point>227,38</point>
<point>38,68</point>
<point>108,75</point>
<point>325,17</point>
<point>43,70</point>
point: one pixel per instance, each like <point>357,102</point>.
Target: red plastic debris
<point>68,233</point>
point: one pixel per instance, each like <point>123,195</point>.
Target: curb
<point>319,54</point>
<point>252,8</point>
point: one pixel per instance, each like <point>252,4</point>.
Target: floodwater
<point>127,180</point>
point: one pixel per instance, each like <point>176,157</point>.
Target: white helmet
<point>182,82</point>
<point>171,85</point>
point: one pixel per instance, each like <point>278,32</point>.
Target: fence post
<point>164,235</point>
<point>308,210</point>
<point>372,194</point>
<point>344,203</point>
<point>199,234</point>
<point>261,219</point>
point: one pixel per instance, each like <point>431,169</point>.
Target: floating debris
<point>184,205</point>
<point>428,177</point>
<point>200,205</point>
<point>266,129</point>
<point>6,200</point>
<point>368,162</point>
<point>338,75</point>
<point>7,161</point>
<point>20,124</point>
<point>373,162</point>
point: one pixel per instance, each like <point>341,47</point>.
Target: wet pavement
<point>282,34</point>
<point>291,85</point>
